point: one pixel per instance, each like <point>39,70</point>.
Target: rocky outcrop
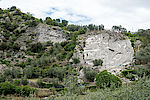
<point>113,48</point>
<point>46,33</point>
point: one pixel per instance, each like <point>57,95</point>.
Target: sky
<point>131,14</point>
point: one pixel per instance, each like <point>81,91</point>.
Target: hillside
<point>49,56</point>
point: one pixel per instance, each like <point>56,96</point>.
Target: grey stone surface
<point>46,33</point>
<point>113,48</point>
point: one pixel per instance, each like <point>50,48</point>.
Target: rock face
<point>45,33</point>
<point>113,48</point>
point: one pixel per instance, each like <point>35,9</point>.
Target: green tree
<point>106,79</point>
<point>76,60</point>
<point>89,74</point>
<point>97,62</point>
<point>65,22</point>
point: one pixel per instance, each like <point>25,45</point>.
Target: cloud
<point>132,14</point>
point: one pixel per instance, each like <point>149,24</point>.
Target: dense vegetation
<point>31,66</point>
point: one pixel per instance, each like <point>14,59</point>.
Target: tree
<point>76,60</point>
<point>143,56</point>
<point>101,27</point>
<point>65,22</point>
<point>98,62</point>
<point>13,8</point>
<point>24,81</point>
<point>37,47</point>
<point>58,20</point>
<point>89,74</point>
<point>106,79</point>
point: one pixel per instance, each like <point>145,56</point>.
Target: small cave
<point>111,50</point>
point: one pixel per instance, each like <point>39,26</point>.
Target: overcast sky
<point>131,14</point>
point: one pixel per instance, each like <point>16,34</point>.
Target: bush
<point>82,31</point>
<point>24,81</point>
<point>70,46</point>
<point>76,60</point>
<point>97,62</point>
<point>37,47</point>
<point>126,72</point>
<point>106,79</point>
<point>25,90</point>
<point>7,88</point>
<point>143,56</point>
<point>2,78</point>
<point>142,72</point>
<point>42,84</point>
<point>17,82</point>
<point>56,72</point>
<point>28,72</point>
<point>89,74</point>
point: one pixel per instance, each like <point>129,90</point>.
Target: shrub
<point>76,60</point>
<point>39,83</point>
<point>143,56</point>
<point>60,57</point>
<point>7,88</point>
<point>89,74</point>
<point>70,46</point>
<point>142,72</point>
<point>2,78</point>
<point>106,79</point>
<point>28,72</point>
<point>36,72</point>
<point>37,47</point>
<point>82,31</point>
<point>25,90</point>
<point>56,72</point>
<point>42,84</point>
<point>17,82</point>
<point>24,81</point>
<point>22,64</point>
<point>97,62</point>
<point>126,72</point>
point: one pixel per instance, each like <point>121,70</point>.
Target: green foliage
<point>97,62</point>
<point>24,81</point>
<point>82,31</point>
<point>89,74</point>
<point>28,72</point>
<point>73,27</point>
<point>17,82</point>
<point>2,78</point>
<point>137,91</point>
<point>142,72</point>
<point>144,36</point>
<point>119,28</point>
<point>7,88</point>
<point>25,90</point>
<point>106,79</point>
<point>12,72</point>
<point>70,46</point>
<point>60,57</point>
<point>65,22</point>
<point>42,84</point>
<point>37,47</point>
<point>57,72</point>
<point>22,64</point>
<point>36,72</point>
<point>71,84</point>
<point>126,72</point>
<point>75,60</point>
<point>143,56</point>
